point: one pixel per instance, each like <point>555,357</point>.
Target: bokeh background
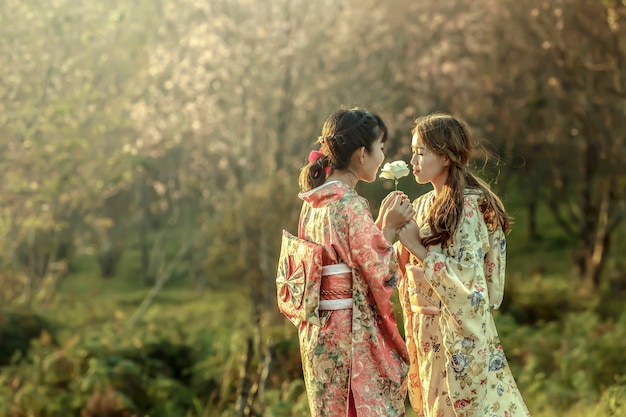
<point>149,156</point>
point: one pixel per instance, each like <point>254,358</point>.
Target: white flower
<point>395,170</point>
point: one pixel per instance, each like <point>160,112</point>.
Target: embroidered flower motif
<point>462,403</point>
<point>438,266</point>
<point>468,208</point>
<point>468,343</point>
<point>394,171</point>
<point>497,360</point>
<point>459,362</point>
<point>475,298</point>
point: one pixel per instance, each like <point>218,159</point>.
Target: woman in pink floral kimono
<point>452,262</point>
<point>356,362</point>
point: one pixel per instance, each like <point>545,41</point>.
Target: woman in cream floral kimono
<point>356,362</point>
<point>452,260</point>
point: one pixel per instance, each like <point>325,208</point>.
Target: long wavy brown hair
<point>443,134</point>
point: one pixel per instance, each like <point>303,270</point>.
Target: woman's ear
<point>362,153</point>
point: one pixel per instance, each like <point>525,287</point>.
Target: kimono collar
<point>325,193</point>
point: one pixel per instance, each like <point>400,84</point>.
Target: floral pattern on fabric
<point>458,367</point>
<point>358,350</point>
<point>298,279</point>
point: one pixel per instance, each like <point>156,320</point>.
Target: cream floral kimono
<point>358,350</point>
<point>458,367</point>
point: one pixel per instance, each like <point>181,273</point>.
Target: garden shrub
<point>287,364</point>
<point>108,403</point>
<point>614,399</point>
<point>558,364</point>
<point>87,378</point>
<point>17,329</point>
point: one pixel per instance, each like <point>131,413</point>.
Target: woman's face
<point>428,166</point>
<point>372,161</point>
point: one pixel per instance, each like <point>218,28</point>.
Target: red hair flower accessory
<point>314,156</point>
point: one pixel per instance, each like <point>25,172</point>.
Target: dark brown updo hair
<point>344,131</point>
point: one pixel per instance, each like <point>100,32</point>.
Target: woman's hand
<point>395,211</point>
<point>410,239</point>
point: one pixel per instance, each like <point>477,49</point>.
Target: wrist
<point>421,253</point>
<point>389,233</point>
<point>418,250</point>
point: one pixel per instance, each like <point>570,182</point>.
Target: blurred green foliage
<point>184,358</point>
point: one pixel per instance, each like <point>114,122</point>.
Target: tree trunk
<point>531,210</point>
<point>144,227</point>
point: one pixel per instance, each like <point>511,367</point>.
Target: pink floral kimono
<point>355,364</point>
<point>458,367</point>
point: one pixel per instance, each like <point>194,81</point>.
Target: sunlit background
<point>149,156</point>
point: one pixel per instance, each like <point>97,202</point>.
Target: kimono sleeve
<point>370,252</point>
<point>495,267</point>
<point>457,273</point>
<point>376,265</point>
